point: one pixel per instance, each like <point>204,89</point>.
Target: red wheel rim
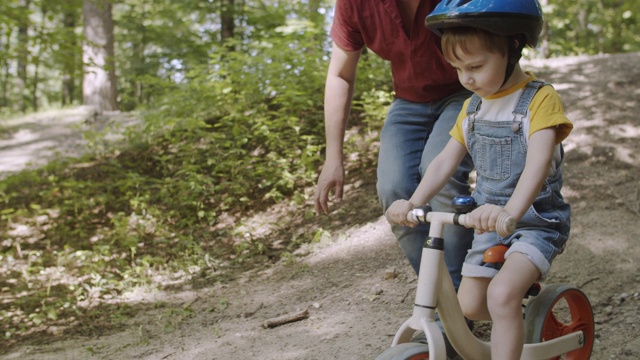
<point>580,319</point>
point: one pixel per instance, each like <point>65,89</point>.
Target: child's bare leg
<point>472,296</point>
<point>504,297</point>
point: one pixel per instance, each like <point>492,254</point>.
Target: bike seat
<point>495,254</point>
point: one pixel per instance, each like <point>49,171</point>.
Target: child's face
<point>479,70</point>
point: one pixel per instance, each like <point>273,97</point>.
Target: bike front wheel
<point>558,310</point>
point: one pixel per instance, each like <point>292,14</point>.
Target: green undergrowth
<point>78,233</point>
<point>169,209</point>
<point>216,178</point>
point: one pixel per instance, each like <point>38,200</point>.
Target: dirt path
<point>32,140</point>
<point>357,286</point>
<point>35,139</point>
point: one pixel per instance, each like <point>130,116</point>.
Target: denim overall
<point>499,151</point>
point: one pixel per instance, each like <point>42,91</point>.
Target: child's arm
<point>539,155</point>
<point>434,179</point>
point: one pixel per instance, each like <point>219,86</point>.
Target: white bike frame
<point>435,291</point>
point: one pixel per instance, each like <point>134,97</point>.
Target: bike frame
<point>435,291</point>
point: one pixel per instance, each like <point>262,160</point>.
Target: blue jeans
<point>413,134</point>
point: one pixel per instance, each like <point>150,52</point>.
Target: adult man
<point>427,100</point>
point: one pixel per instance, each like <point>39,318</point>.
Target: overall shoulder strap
<point>474,105</point>
<point>527,95</point>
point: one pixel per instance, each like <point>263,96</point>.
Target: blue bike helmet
<point>503,17</point>
<point>519,20</point>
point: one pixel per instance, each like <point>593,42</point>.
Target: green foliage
<point>152,57</point>
<point>159,42</point>
<point>256,117</point>
<point>593,26</point>
<point>245,130</point>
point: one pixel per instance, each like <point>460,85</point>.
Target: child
<point>512,126</point>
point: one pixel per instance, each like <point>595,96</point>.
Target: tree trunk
<point>140,60</point>
<point>35,59</point>
<point>70,64</point>
<point>601,34</point>
<point>227,17</point>
<point>6,70</point>
<point>545,49</point>
<point>23,54</point>
<point>99,84</point>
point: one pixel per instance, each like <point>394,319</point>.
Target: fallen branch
<point>285,319</point>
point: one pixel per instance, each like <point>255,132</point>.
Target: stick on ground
<point>285,319</point>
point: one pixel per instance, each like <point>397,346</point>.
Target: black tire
<point>560,309</point>
<point>406,351</point>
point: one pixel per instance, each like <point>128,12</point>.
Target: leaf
<point>52,314</point>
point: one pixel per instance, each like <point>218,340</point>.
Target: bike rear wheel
<point>558,310</point>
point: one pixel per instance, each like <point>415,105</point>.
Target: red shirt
<point>420,73</point>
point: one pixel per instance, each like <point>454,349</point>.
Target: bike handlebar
<point>505,224</point>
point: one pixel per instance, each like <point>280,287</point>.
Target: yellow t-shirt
<point>545,111</point>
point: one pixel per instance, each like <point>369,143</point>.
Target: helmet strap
<point>516,43</point>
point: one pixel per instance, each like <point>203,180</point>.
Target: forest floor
<point>358,288</point>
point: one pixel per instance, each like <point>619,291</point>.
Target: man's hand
<point>331,178</point>
<point>397,213</point>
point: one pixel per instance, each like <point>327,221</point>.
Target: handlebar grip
<point>419,214</point>
<point>505,224</point>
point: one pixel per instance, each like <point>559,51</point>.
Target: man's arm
<point>338,93</point>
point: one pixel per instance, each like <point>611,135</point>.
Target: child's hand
<point>484,218</point>
<point>397,213</point>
